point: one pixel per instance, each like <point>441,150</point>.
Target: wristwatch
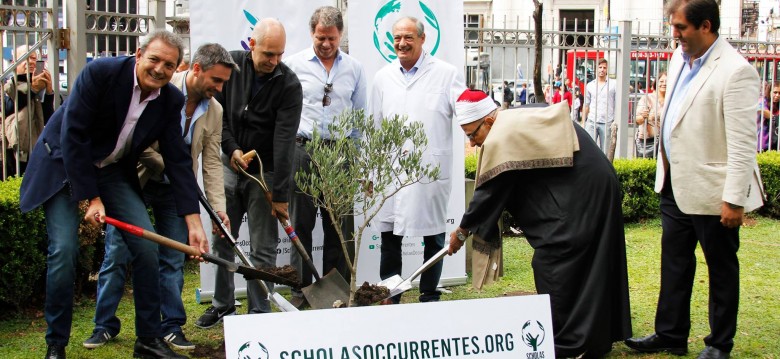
<point>461,236</point>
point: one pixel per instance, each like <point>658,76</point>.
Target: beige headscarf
<point>528,138</point>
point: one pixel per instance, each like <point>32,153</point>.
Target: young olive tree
<point>355,176</point>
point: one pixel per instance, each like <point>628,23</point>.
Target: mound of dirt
<point>369,294</point>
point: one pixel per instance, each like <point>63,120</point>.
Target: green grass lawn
<point>758,335</point>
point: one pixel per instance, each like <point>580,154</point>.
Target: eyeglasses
<point>473,133</point>
<point>326,98</point>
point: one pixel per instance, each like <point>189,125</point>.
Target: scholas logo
<point>533,334</point>
<point>252,22</point>
<point>383,26</point>
<point>252,350</point>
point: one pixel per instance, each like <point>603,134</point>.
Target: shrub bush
<point>637,179</point>
<point>769,163</point>
<point>22,246</point>
<point>471,165</point>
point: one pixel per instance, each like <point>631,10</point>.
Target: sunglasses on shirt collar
<point>326,98</point>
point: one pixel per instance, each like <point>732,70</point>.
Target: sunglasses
<point>326,98</point>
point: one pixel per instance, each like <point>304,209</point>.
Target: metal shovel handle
<point>285,224</point>
<point>279,301</point>
<point>406,284</point>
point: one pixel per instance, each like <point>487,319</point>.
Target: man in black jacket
<point>262,109</point>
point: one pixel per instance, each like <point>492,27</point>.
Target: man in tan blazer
<point>201,121</point>
<point>707,176</point>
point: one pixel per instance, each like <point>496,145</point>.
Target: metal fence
<point>637,53</point>
<point>35,29</point>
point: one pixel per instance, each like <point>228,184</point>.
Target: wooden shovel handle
<point>249,156</point>
<point>154,237</point>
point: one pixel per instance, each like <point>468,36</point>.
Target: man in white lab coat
<point>423,88</point>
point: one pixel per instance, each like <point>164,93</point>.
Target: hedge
<point>637,179</point>
<point>22,246</point>
<point>23,249</point>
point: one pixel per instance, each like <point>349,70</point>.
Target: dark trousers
<point>681,232</point>
<point>391,261</point>
<point>303,214</point>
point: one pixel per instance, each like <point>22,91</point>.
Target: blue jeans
<point>62,226</point>
<point>111,280</point>
<point>599,132</point>
<point>245,196</point>
<point>62,218</point>
<point>391,260</point>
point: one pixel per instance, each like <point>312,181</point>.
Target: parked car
<point>529,91</point>
<point>498,91</point>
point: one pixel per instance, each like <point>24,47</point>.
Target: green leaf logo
<point>383,26</point>
<point>533,334</point>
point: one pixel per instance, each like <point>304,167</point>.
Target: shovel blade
<point>324,292</point>
<point>392,282</point>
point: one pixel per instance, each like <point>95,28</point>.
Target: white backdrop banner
<point>230,24</point>
<point>518,327</point>
<point>371,42</point>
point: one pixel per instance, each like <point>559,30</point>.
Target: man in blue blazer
<point>89,150</point>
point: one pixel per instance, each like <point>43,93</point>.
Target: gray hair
<point>327,16</point>
<point>417,23</point>
<point>165,36</point>
<point>212,54</point>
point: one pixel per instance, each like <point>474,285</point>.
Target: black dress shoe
<point>713,353</point>
<point>55,351</point>
<point>154,348</point>
<point>654,344</point>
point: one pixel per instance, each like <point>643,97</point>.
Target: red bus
<point>645,65</point>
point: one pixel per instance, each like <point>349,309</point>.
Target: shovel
<point>248,272</point>
<point>398,285</point>
<point>274,297</point>
<point>325,290</point>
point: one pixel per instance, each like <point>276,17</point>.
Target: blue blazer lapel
<point>124,92</point>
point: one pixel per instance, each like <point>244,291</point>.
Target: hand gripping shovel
<point>274,297</point>
<point>325,290</point>
<point>248,272</point>
<point>398,285</point>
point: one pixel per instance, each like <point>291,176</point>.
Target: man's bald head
<point>267,45</point>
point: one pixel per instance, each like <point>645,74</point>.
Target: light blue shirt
<point>409,75</point>
<point>349,90</point>
<point>687,74</point>
<point>200,110</point>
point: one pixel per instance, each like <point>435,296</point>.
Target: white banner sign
<point>508,327</point>
<point>230,24</point>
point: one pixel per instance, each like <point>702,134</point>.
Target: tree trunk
<point>538,90</point>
